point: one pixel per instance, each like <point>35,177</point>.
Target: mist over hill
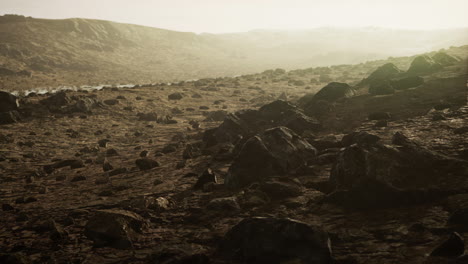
<point>86,51</point>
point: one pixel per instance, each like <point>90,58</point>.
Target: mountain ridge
<point>77,50</point>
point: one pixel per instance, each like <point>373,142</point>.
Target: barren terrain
<point>149,150</point>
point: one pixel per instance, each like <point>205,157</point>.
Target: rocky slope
<point>221,171</point>
<point>85,51</point>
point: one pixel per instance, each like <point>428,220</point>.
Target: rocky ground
<point>163,174</point>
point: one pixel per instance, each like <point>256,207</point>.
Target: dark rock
<point>318,108</point>
<point>175,96</point>
<point>111,152</point>
<point>361,138</point>
<point>103,143</point>
<point>275,241</point>
<point>62,103</point>
<point>9,117</point>
<point>146,164</point>
<point>169,149</point>
<point>381,74</point>
<point>423,65</point>
<point>282,113</point>
<point>438,116</point>
<point>73,164</point>
<point>326,158</point>
<point>275,152</point>
<point>8,102</point>
<point>190,152</point>
<point>381,89</point>
<point>176,111</point>
<point>334,91</point>
<point>325,142</point>
<point>444,59</point>
<point>114,228</point>
<point>454,246</point>
<point>111,102</point>
<point>59,99</point>
<point>147,117</point>
<point>245,124</point>
<point>377,175</point>
<point>206,177</point>
<point>77,164</point>
<point>234,126</point>
<point>300,123</point>
<point>147,202</point>
<point>407,82</point>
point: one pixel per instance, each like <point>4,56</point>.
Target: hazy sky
<point>242,15</point>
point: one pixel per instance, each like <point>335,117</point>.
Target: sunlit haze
<point>220,16</point>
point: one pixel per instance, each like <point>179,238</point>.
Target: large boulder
<point>444,59</point>
<point>234,127</point>
<point>383,88</point>
<point>407,82</point>
<point>282,113</point>
<point>334,91</point>
<point>114,228</point>
<point>383,73</point>
<point>216,116</point>
<point>62,103</point>
<point>423,65</point>
<point>377,175</point>
<point>277,151</point>
<point>8,102</point>
<point>246,123</point>
<point>57,100</point>
<point>276,240</point>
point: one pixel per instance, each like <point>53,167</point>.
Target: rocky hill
<point>35,52</point>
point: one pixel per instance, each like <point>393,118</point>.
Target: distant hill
<point>85,51</point>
